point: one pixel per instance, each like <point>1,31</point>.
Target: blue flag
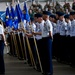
<point>15,24</point>
<point>14,18</point>
<point>8,20</point>
<point>2,12</point>
<point>12,12</point>
<point>19,13</point>
<point>7,12</point>
<point>2,15</point>
<point>26,14</point>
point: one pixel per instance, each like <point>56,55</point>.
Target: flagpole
<point>25,49</point>
<point>17,50</point>
<point>24,43</point>
<point>31,54</point>
<point>20,45</point>
<point>29,48</point>
<point>37,51</point>
<point>14,43</point>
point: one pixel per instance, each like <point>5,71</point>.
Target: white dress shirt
<point>39,27</point>
<point>72,28</point>
<point>63,25</point>
<point>1,31</point>
<point>47,28</point>
<point>68,28</point>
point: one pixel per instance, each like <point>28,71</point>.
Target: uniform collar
<point>47,20</point>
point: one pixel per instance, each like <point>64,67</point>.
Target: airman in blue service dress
<point>60,32</point>
<point>38,36</point>
<point>57,47</point>
<point>67,39</point>
<point>53,21</point>
<point>2,39</point>
<point>62,24</point>
<point>72,36</point>
<point>47,35</point>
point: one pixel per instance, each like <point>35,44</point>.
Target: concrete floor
<point>17,67</point>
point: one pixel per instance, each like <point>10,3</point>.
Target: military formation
<point>48,34</point>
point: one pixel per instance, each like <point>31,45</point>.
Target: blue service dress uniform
<point>67,43</point>
<point>2,66</point>
<point>62,40</point>
<point>58,40</point>
<point>47,48</point>
<point>60,37</point>
<point>72,35</point>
